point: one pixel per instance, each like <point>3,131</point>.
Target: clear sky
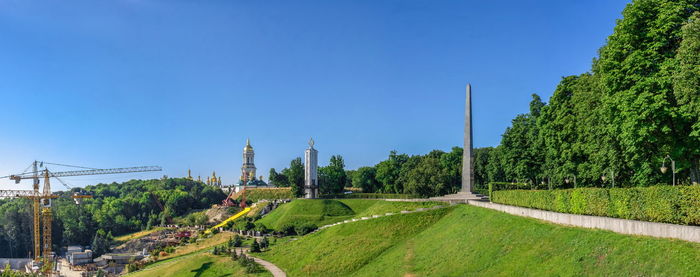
<point>182,84</point>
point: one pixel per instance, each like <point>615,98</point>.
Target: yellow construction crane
<point>42,200</point>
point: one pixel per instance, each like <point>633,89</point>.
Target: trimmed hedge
<point>267,193</point>
<point>663,203</point>
<point>494,186</point>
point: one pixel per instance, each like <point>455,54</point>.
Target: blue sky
<point>182,84</point>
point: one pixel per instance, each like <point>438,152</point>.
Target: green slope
<point>466,240</point>
<point>322,212</point>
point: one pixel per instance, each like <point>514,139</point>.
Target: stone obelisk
<point>467,156</point>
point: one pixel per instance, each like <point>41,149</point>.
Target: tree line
<point>639,104</point>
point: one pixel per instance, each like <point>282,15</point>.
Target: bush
<point>287,229</point>
<point>663,203</point>
<point>305,228</point>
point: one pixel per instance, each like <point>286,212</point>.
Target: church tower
<point>248,168</point>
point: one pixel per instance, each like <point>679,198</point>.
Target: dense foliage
<point>115,209</point>
<point>669,204</point>
<point>640,103</point>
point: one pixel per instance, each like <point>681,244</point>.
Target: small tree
<point>237,241</point>
<point>255,247</point>
<point>234,256</point>
<point>264,244</point>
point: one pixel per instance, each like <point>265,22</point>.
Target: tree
<point>636,69</point>
<point>686,86</point>
<point>332,178</point>
<point>101,242</point>
<point>255,247</point>
<point>364,178</point>
<point>388,172</point>
<point>295,176</point>
<point>481,161</point>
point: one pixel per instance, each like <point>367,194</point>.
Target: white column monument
<point>310,171</point>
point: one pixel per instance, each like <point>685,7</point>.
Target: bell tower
<point>248,168</point>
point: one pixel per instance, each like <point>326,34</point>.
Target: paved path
<point>276,271</point>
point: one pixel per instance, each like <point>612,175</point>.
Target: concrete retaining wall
<point>623,226</point>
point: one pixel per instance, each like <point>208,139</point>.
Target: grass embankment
<point>200,264</point>
<point>137,235</point>
<point>198,246</point>
<point>322,212</point>
<point>466,240</point>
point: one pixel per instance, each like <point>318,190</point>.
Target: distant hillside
<point>466,240</point>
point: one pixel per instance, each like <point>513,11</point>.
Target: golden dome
<point>247,146</point>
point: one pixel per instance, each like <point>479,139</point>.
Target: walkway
<point>276,271</point>
<point>272,268</point>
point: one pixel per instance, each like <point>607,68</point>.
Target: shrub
<point>304,228</point>
<point>287,229</point>
<point>667,204</point>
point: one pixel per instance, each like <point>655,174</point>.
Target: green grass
<point>322,212</point>
<point>466,241</point>
<point>201,265</point>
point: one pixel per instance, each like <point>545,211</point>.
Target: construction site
<point>144,246</point>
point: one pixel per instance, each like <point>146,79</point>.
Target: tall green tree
<point>635,68</point>
<point>365,178</point>
<point>388,172</point>
<point>332,178</point>
<point>295,176</point>
<point>686,85</point>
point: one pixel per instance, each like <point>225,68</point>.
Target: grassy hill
<point>321,212</point>
<point>466,240</point>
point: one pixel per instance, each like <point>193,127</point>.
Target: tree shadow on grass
<point>202,269</point>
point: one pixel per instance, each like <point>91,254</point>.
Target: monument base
<point>460,197</point>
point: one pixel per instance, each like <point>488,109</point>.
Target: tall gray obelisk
<point>467,156</point>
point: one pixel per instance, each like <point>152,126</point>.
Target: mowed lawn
<point>199,265</point>
<point>466,241</point>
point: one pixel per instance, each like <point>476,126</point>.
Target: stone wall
<point>623,226</point>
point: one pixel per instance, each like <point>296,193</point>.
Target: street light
<point>664,169</point>
<point>612,176</point>
<point>567,180</point>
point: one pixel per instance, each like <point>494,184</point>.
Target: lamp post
<point>567,180</point>
<point>612,176</point>
<point>673,167</point>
